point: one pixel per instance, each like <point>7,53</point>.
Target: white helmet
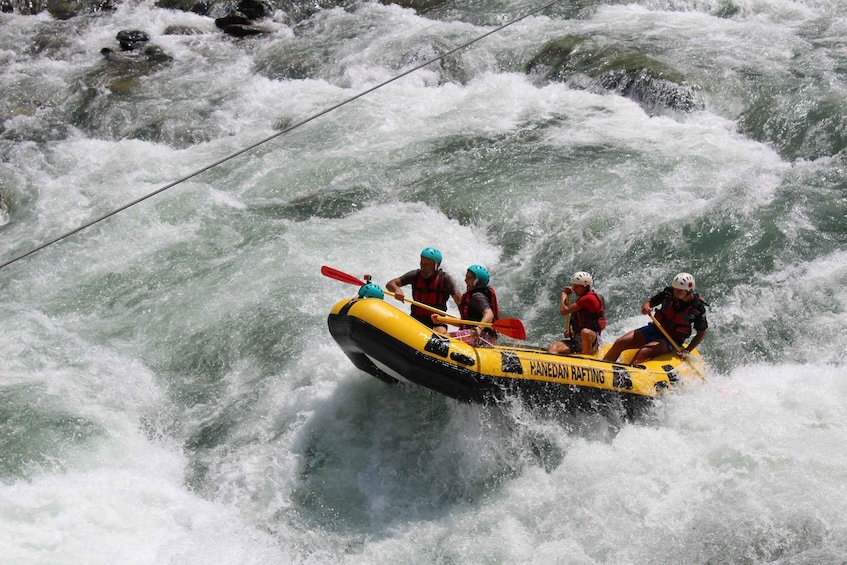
<point>683,281</point>
<point>582,278</point>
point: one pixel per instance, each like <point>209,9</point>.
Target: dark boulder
<point>131,39</point>
<point>201,7</point>
<point>232,19</point>
<point>238,24</point>
<point>152,54</point>
<point>255,9</point>
<point>420,6</point>
<point>245,30</point>
<point>135,49</point>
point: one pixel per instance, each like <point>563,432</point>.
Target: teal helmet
<point>370,290</point>
<point>432,253</point>
<point>481,274</point>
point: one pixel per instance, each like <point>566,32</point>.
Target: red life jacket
<point>465,304</point>
<point>678,324</point>
<point>432,292</point>
<point>592,320</point>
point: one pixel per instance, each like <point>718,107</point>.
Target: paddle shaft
<point>675,346</point>
<point>511,327</point>
<point>458,322</point>
<point>422,305</point>
<point>350,279</point>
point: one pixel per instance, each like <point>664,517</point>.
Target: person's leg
<point>559,348</point>
<point>650,350</point>
<point>564,346</point>
<point>588,338</point>
<point>630,340</point>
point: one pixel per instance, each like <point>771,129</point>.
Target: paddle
<point>339,276</point>
<point>350,279</point>
<point>675,346</point>
<point>511,327</point>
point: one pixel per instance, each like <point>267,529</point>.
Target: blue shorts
<point>651,333</point>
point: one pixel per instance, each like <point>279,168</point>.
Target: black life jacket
<point>678,323</point>
<point>592,320</point>
<point>474,316</point>
<point>432,292</point>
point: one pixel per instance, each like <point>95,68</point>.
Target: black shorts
<point>575,344</point>
<point>427,321</point>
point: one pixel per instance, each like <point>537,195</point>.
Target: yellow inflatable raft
<point>389,344</point>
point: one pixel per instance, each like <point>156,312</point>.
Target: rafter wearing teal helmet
<point>432,253</point>
<point>481,274</point>
<point>370,290</point>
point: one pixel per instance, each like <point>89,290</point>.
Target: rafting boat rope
<point>516,351</point>
<point>273,136</point>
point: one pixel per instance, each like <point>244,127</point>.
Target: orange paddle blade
<point>511,327</point>
<point>339,276</point>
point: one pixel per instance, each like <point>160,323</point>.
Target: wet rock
<point>581,63</point>
<point>420,6</point>
<point>155,54</point>
<point>246,30</point>
<point>131,42</point>
<point>726,9</point>
<point>67,9</point>
<point>234,18</point>
<point>25,8</point>
<point>182,30</point>
<point>294,11</point>
<point>255,9</point>
<point>201,7</point>
<point>238,24</point>
<point>651,92</point>
<point>150,54</point>
<point>59,9</point>
<point>132,39</point>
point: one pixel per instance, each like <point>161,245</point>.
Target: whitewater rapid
<point>169,390</point>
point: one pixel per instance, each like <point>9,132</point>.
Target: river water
<point>169,390</point>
